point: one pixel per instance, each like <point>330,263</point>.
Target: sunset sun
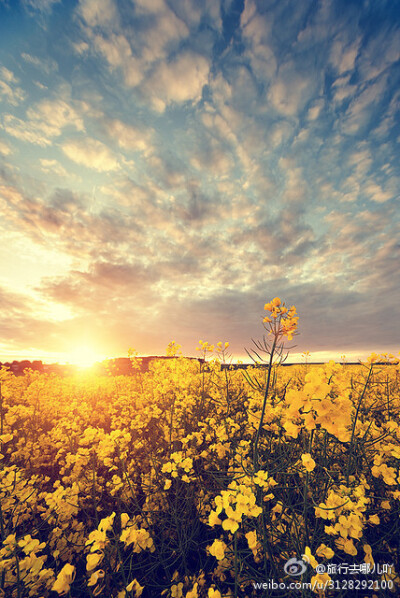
<point>83,356</point>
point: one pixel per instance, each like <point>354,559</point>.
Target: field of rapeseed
<point>191,480</point>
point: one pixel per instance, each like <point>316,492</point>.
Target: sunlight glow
<point>83,356</point>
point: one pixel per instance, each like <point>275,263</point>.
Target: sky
<point>169,166</point>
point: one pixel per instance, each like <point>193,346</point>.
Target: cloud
<point>5,149</point>
<point>254,25</point>
<point>105,35</point>
<point>47,65</point>
<point>344,54</point>
<point>380,52</point>
<point>53,167</point>
<point>295,185</point>
<point>256,31</point>
<point>12,303</point>
<point>189,12</point>
<point>117,50</point>
<point>290,91</point>
<point>98,13</point>
<point>164,50</point>
<point>90,153</point>
<point>126,192</point>
<point>236,135</point>
<point>13,94</point>
<point>103,277</point>
<point>281,240</point>
<point>362,108</point>
<point>24,327</point>
<point>315,109</point>
<point>44,6</point>
<point>281,132</point>
<point>55,115</point>
<point>159,32</point>
<point>44,121</point>
<point>150,6</point>
<point>376,193</point>
<point>342,91</point>
<point>24,130</point>
<point>356,249</point>
<point>361,160</point>
<point>96,291</point>
<point>78,225</point>
<point>213,159</point>
<point>129,137</point>
<point>34,217</point>
<point>166,32</point>
<point>110,304</point>
<point>180,80</point>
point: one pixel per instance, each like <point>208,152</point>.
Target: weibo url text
<point>331,584</point>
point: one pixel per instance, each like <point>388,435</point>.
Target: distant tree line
<point>122,366</point>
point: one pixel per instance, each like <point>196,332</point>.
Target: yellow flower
<point>6,438</point>
<point>136,587</point>
<point>28,544</point>
<point>187,464</point>
<point>308,462</point>
<point>346,545</point>
<point>251,538</point>
<point>92,560</point>
<point>193,592</point>
<point>213,593</point>
<point>309,557</point>
<point>349,547</point>
<point>230,525</point>
<point>291,429</point>
<point>106,524</point>
<point>324,551</point>
<point>176,590</point>
<point>167,467</point>
<point>124,520</point>
<point>213,519</point>
<point>94,578</point>
<point>64,579</point>
<point>368,558</point>
<point>217,549</point>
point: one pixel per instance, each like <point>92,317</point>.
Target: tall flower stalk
<point>280,324</point>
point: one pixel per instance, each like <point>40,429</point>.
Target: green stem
<point>96,518</point>
<point>355,423</point>
<point>236,567</point>
<point>19,595</point>
<point>305,498</point>
<point>257,438</point>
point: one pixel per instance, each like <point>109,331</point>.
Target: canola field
<point>191,480</point>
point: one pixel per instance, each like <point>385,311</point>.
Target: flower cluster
<point>281,316</point>
<point>236,502</point>
<point>322,402</point>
